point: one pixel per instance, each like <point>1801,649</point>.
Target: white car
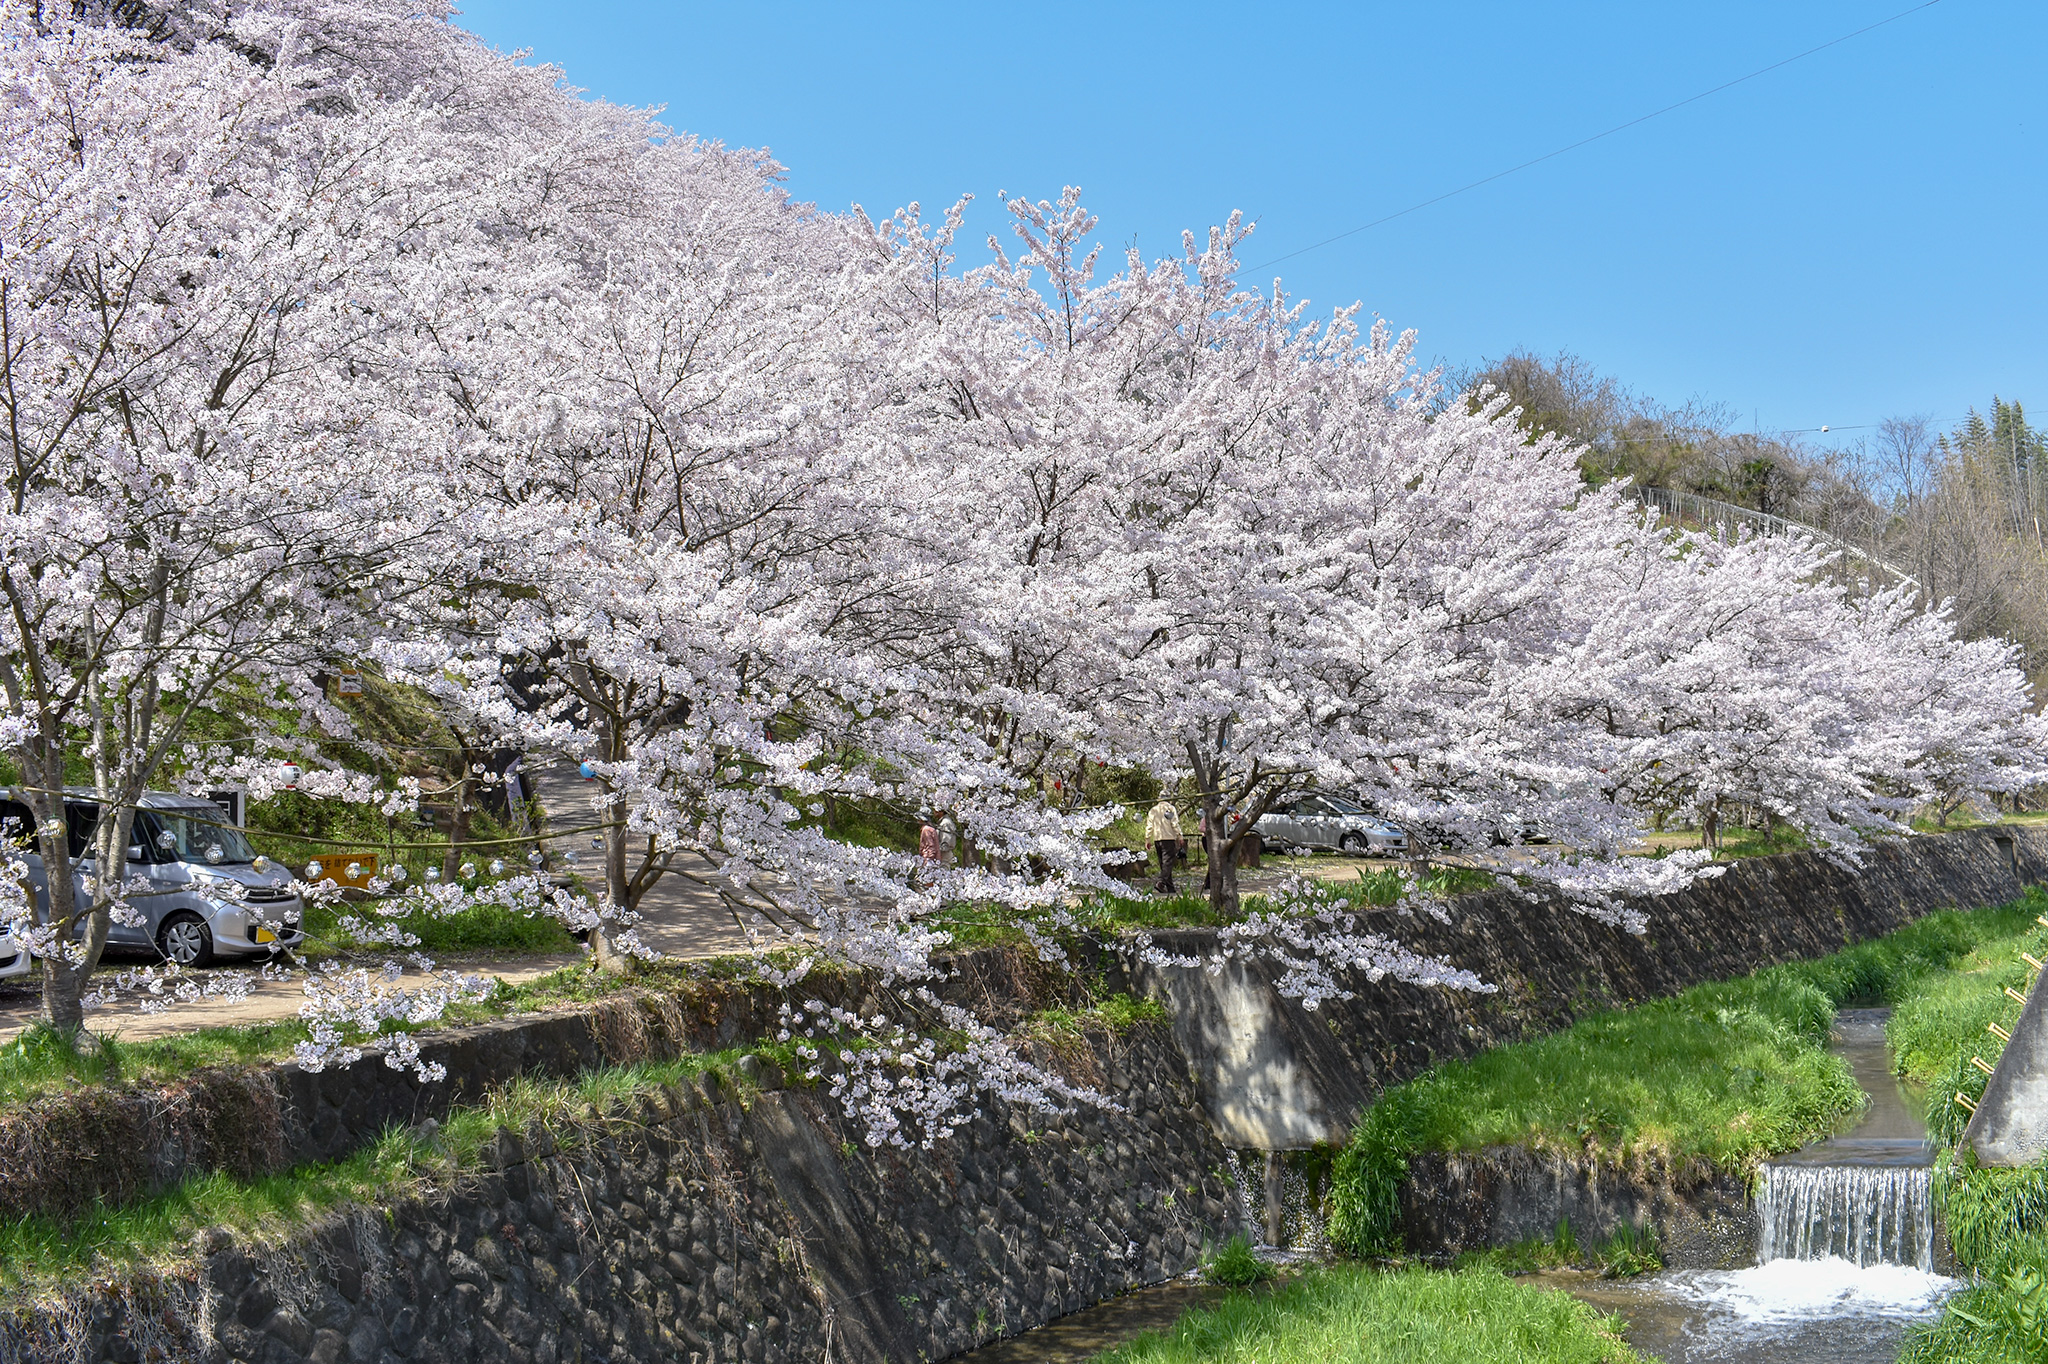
<point>14,959</point>
<point>1319,820</point>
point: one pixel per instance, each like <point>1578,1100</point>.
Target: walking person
<point>1162,831</point>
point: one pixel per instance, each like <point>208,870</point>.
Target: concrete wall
<point>2010,1126</point>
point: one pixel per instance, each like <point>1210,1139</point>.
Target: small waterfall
<point>1306,1216</point>
<point>1865,1214</point>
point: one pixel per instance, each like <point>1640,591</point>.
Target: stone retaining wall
<point>63,1154</point>
<point>1277,1076</point>
<point>1699,1215</point>
<point>702,1228</point>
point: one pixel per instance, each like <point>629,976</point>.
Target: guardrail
<point>1679,506</point>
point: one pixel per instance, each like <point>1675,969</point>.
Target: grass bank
<point>1357,1314</point>
<point>42,1252</point>
<point>1734,1071</point>
<point>35,1064</point>
<point>1997,1220</point>
<point>158,1230</point>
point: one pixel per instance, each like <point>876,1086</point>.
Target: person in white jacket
<point>1162,831</point>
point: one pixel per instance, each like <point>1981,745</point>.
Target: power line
<point>1587,141</point>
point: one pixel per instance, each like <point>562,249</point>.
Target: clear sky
<point>1852,236</point>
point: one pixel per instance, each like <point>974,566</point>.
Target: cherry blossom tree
<point>1177,524</point>
<point>190,341</point>
<point>328,334</point>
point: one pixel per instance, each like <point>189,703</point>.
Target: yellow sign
<point>348,869</point>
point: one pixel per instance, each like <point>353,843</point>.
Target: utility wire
<point>1587,141</point>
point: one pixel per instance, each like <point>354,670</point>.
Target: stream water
<point>1846,1247</point>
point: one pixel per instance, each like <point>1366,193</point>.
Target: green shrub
<point>1237,1265</point>
<point>1629,1252</point>
<point>1132,786</point>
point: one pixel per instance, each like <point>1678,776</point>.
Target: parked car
<point>1318,819</point>
<point>212,895</point>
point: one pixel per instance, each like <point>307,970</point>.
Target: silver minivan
<point>1317,819</point>
<point>213,896</point>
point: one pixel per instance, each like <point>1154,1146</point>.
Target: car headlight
<point>221,893</point>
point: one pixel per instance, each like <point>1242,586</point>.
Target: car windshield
<point>196,830</point>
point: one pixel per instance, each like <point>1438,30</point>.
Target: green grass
<point>1732,1071</point>
<point>1188,909</point>
<point>1355,1314</point>
<point>1117,1013</point>
<point>35,1063</point>
<point>486,928</point>
<point>1997,1221</point>
<point>1738,842</point>
<point>1624,1255</point>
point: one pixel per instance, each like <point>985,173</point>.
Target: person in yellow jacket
<point>1162,831</point>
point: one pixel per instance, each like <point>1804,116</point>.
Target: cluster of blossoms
<point>1311,939</point>
<point>336,339</point>
<point>907,1088</point>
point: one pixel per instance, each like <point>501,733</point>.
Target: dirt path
<point>268,1002</point>
<point>678,917</point>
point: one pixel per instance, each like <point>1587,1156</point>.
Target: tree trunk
<point>458,824</point>
<point>63,981</point>
<point>618,885</point>
<point>1216,845</point>
<point>1222,853</point>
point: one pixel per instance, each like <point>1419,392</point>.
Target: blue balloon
<point>589,772</point>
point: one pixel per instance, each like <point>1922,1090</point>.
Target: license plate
<point>265,935</point>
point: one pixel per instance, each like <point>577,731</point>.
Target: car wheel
<point>186,940</point>
<point>1354,844</point>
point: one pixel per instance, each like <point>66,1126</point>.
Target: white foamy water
<point>1802,1290</point>
<point>1845,1244</point>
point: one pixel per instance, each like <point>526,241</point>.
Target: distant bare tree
<point>1962,512</point>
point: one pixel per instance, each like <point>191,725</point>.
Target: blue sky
<point>1854,236</point>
